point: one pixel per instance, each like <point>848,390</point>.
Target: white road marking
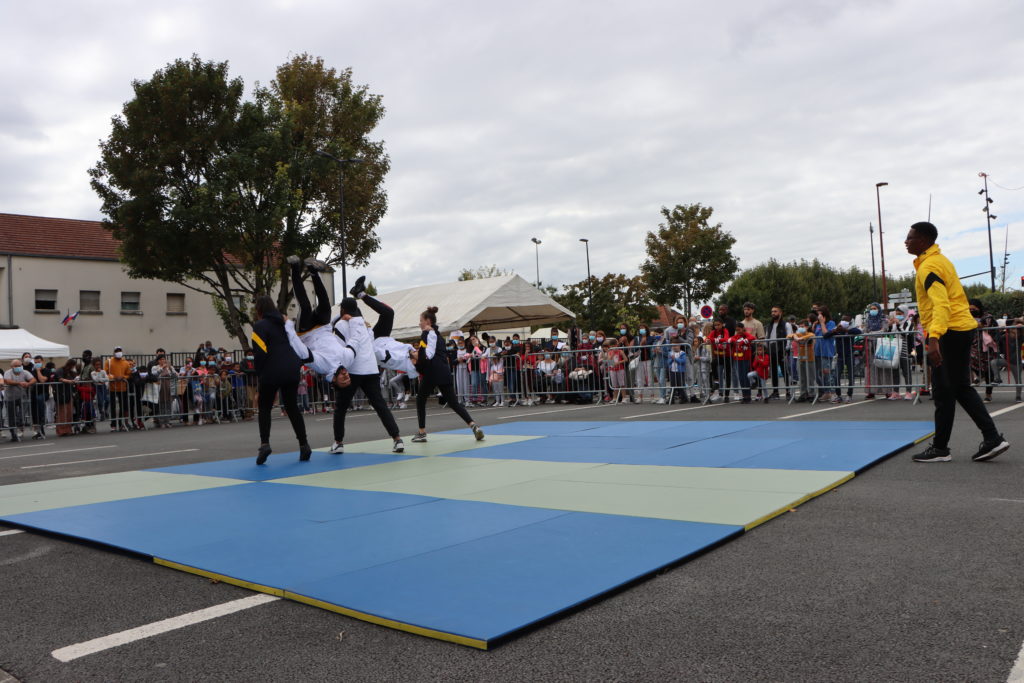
<point>72,652</point>
<point>116,457</point>
<point>410,417</point>
<point>545,412</point>
<point>677,410</point>
<point>29,445</point>
<point>1017,672</point>
<point>823,410</point>
<point>1008,500</point>
<point>70,450</point>
<point>1003,411</point>
<point>11,532</point>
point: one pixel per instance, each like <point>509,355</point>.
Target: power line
<point>1011,189</point>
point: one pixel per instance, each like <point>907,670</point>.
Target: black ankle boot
<point>263,453</point>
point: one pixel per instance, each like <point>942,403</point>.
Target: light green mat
<point>437,444</point>
<point>356,477</point>
<point>101,488</point>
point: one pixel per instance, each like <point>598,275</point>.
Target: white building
<point>50,267</point>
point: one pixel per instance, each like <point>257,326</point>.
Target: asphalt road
<point>910,572</point>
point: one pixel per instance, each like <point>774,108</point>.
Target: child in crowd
<point>759,369</point>
<point>614,360</point>
<point>677,364</point>
<point>496,372</point>
<point>803,351</point>
<point>740,346</point>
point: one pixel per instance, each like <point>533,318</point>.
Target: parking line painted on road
<point>11,532</point>
<point>545,412</point>
<point>823,410</point>
<point>72,652</point>
<point>28,445</point>
<point>1003,411</point>
<point>676,410</point>
<point>70,450</point>
<point>116,457</point>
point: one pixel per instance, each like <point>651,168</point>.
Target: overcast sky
<point>561,120</point>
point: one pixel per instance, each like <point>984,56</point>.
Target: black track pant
<point>308,317</point>
<point>291,406</point>
<point>385,316</point>
<point>951,384</point>
<point>370,384</point>
<point>447,393</point>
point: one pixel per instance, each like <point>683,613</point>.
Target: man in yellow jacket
<point>950,328</point>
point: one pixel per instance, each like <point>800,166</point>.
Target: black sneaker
<point>478,433</point>
<point>933,454</point>
<point>317,265</point>
<point>399,447</point>
<point>419,438</point>
<point>262,454</point>
<point>990,449</point>
<point>359,287</point>
<point>304,452</point>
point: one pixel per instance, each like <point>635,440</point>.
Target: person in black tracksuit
<point>277,365</point>
<point>435,371</point>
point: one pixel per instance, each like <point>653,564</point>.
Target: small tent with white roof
<point>17,342</point>
<point>487,303</point>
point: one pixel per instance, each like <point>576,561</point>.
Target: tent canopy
<point>14,343</point>
<point>489,303</point>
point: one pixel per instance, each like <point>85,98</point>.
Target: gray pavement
<point>910,572</point>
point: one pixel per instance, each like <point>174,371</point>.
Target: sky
<point>569,120</point>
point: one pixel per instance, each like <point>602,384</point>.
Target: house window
<point>88,301</point>
<point>130,302</point>
<point>176,303</point>
<point>46,299</point>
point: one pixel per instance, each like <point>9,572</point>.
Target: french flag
<point>68,319</point>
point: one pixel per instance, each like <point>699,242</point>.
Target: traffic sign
<point>706,311</point>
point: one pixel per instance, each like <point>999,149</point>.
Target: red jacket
<point>760,364</point>
<point>740,344</point>
<point>719,340</point>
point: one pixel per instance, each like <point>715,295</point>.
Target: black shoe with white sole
<point>419,438</point>
<point>359,287</point>
<point>991,449</point>
<point>316,264</point>
<point>399,447</point>
<point>933,454</point>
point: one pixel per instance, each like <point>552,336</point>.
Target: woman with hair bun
<point>435,372</point>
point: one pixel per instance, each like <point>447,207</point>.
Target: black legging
<point>308,318</point>
<point>290,402</point>
<point>951,384</point>
<point>370,384</point>
<point>447,393</point>
<point>385,316</point>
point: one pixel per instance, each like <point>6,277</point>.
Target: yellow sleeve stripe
<point>259,342</point>
<point>423,344</point>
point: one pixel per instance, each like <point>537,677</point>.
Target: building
<point>666,317</point>
<point>50,267</point>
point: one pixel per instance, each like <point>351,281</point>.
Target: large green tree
<point>210,191</point>
<point>483,272</point>
<point>689,260</point>
<point>616,299</point>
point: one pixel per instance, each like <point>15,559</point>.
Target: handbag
<point>887,352</point>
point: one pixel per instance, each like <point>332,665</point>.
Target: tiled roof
<point>666,316</point>
<point>55,237</point>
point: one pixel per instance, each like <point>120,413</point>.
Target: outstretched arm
<point>296,343</point>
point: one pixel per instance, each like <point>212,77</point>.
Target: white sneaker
<point>402,404</point>
<point>660,402</point>
<point>337,448</point>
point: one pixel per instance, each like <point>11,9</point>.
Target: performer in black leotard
<point>278,368</point>
<point>435,372</point>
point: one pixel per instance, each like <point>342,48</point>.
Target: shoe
<point>359,287</point>
<point>478,433</point>
<point>293,260</point>
<point>868,397</point>
<point>660,402</point>
<point>402,404</point>
<point>316,264</point>
<point>847,399</point>
<point>263,453</point>
<point>933,454</point>
<point>337,448</point>
<point>909,396</point>
<point>419,438</point>
<point>988,398</point>
<point>15,438</point>
<point>37,436</point>
<point>1017,400</point>
<point>399,447</point>
<point>893,397</point>
<point>836,399</point>
<point>513,403</point>
<point>990,449</point>
<point>304,452</point>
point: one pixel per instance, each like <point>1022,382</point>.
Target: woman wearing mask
<point>874,325</point>
<point>614,361</point>
<point>904,325</point>
<point>825,353</point>
<point>64,397</point>
<point>985,349</point>
<point>435,373</point>
<point>476,375</point>
<point>641,353</point>
<point>545,370</point>
<point>463,386</point>
<point>529,372</point>
<point>496,372</point>
<point>40,392</point>
<point>511,366</point>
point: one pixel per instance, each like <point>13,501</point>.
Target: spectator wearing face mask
<point>875,322</point>
<point>825,353</point>
<point>250,381</point>
<point>740,346</point>
<point>40,391</point>
<point>614,362</point>
<point>760,366</point>
<point>904,325</point>
<point>545,374</point>
<point>496,372</point>
<point>640,351</point>
<point>803,348</point>
<point>463,386</point>
<point>118,370</point>
<point>511,367</point>
<point>721,361</point>
<point>844,335</point>
<point>16,398</point>
<point>985,350</point>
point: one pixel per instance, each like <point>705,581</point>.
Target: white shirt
<point>359,337</point>
<point>394,355</point>
<point>328,351</point>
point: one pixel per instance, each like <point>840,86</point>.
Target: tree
<point>212,192</point>
<point>483,272</point>
<point>688,259</point>
<point>616,299</point>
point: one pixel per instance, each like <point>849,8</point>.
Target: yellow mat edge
<point>926,436</point>
<point>389,623</point>
<point>800,501</point>
<point>356,614</point>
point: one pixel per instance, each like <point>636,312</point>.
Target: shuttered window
<point>175,303</point>
<point>88,300</point>
<point>46,299</point>
<point>131,302</point>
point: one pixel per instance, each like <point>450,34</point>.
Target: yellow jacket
<point>941,300</point>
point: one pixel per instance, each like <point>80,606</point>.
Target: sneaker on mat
<point>990,449</point>
<point>478,433</point>
<point>337,448</point>
<point>262,454</point>
<point>419,438</point>
<point>933,454</point>
<point>399,447</point>
<point>305,452</point>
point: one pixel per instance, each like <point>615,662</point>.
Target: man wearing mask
<point>874,323</point>
<point>118,370</point>
<point>16,384</point>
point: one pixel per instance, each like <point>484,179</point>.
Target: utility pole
<point>881,247</point>
<point>874,277</point>
<point>988,221</point>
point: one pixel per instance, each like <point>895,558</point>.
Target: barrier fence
<point>837,369</point>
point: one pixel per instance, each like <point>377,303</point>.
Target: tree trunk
<point>233,318</point>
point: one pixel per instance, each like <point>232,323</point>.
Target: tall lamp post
<point>988,221</point>
<point>342,163</point>
<point>590,287</point>
<point>536,246</point>
<point>881,246</point>
<point>874,276</point>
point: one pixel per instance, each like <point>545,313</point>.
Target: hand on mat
<point>934,355</point>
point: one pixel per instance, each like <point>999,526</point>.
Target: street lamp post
<point>341,210</point>
<point>881,246</point>
<point>536,246</point>
<point>590,287</point>
<point>874,276</point>
<point>988,222</point>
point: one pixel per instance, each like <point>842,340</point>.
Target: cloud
<point>575,119</point>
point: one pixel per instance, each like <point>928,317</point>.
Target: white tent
<point>488,303</point>
<point>14,343</point>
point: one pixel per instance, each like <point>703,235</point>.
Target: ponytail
<point>430,314</point>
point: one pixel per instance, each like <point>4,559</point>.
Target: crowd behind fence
<point>801,368</point>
